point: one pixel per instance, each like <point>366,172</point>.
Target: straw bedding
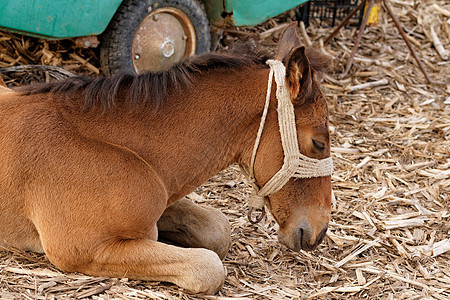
<point>389,234</point>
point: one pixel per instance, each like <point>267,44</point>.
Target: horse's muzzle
<point>305,239</point>
<point>302,238</point>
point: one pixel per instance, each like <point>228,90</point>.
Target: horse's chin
<point>288,242</point>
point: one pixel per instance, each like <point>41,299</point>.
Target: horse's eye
<point>318,145</point>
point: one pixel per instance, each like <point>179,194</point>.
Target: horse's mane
<point>151,88</point>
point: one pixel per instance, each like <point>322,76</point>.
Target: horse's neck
<point>196,133</point>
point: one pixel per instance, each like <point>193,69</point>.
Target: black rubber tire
<point>116,41</point>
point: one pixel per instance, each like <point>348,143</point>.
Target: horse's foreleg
<point>188,224</point>
<point>196,270</point>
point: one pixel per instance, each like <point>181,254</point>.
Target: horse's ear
<point>289,40</point>
<point>298,75</point>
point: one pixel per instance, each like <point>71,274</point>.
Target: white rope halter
<point>295,164</point>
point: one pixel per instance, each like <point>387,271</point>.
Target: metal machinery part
<point>165,37</point>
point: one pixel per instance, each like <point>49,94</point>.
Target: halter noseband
<point>295,164</point>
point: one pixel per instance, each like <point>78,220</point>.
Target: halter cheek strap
<point>295,165</point>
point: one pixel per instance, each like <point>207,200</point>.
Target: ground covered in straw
<point>389,234</point>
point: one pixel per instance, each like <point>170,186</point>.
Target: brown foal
<point>92,169</point>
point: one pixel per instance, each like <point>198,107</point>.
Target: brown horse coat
<point>90,169</point>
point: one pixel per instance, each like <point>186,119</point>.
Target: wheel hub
<point>165,37</point>
<point>168,49</point>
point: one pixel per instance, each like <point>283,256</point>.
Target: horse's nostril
<point>305,238</point>
<point>321,236</point>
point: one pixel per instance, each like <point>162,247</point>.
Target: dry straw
<point>389,234</point>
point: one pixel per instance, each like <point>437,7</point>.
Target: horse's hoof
<point>207,273</point>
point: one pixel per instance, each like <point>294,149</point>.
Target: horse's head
<point>302,204</point>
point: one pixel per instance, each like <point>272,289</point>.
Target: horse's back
<point>5,90</point>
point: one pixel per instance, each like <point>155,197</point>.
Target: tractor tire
<point>153,35</point>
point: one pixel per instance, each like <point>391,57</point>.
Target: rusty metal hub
<point>165,37</point>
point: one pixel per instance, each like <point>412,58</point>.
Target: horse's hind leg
<point>196,270</point>
<point>191,225</point>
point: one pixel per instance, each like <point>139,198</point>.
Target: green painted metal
<point>73,18</point>
<point>246,12</point>
<point>250,13</point>
<point>57,18</point>
<point>214,9</point>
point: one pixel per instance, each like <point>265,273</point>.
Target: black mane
<point>148,87</point>
<point>152,88</point>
